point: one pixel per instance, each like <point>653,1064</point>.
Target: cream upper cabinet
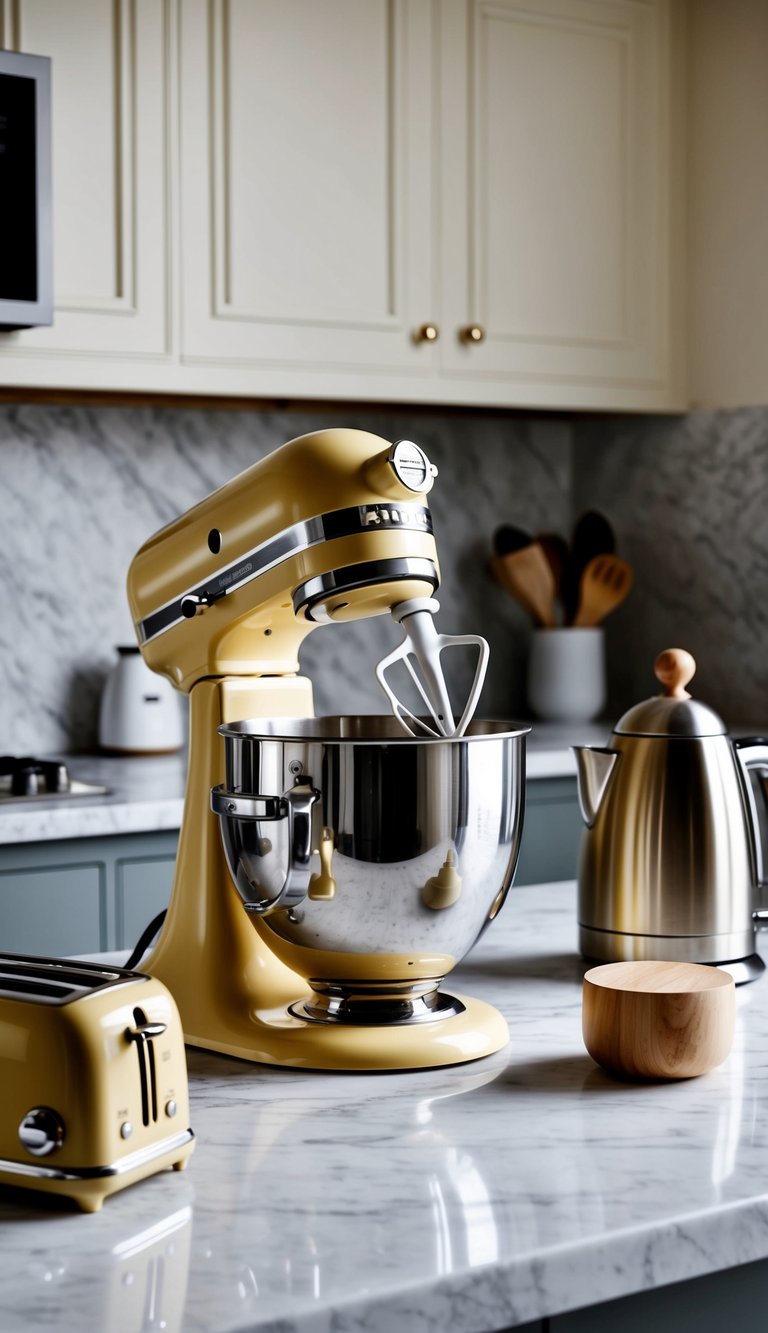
<point>558,222</point>
<point>502,170</point>
<point>306,193</point>
<point>110,178</point>
<point>320,198</point>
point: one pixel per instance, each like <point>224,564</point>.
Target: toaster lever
<point>143,1031</point>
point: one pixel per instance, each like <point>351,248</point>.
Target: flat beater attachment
<point>420,652</point>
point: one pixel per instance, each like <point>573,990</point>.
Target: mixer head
<point>333,526</point>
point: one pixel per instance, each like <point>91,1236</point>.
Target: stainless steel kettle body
<point>671,858</point>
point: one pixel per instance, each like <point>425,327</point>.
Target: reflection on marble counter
<point>146,793</point>
<point>469,1199</point>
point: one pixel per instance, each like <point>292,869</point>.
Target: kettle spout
<point>594,767</point>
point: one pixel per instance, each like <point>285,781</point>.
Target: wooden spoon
<point>555,549</point>
<point>604,584</point>
<point>592,535</point>
<point>527,575</point>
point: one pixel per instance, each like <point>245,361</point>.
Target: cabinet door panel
<point>306,191</point>
<point>143,888</point>
<point>109,143</point>
<point>54,910</point>
<point>558,146</point>
<point>552,832</point>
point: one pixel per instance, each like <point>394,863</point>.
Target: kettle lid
<point>673,713</point>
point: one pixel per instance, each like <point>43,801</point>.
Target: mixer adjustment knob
<point>411,466</point>
<point>41,1131</point>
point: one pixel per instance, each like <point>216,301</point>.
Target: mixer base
<point>279,1037</point>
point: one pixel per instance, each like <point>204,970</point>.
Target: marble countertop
<point>147,792</point>
<point>471,1199</point>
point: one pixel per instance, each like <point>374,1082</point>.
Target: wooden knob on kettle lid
<point>675,668</point>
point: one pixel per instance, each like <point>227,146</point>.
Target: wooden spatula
<point>604,584</point>
<point>527,575</point>
<point>592,535</point>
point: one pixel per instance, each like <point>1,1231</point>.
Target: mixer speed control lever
<point>195,602</point>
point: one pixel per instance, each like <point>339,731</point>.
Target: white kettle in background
<point>140,711</point>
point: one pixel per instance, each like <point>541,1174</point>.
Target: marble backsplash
<point>81,488</point>
<point>689,499</point>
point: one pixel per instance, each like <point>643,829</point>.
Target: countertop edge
<point>537,1286</point>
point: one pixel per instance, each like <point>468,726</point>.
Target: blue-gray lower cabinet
<point>83,895</point>
<point>552,829</point>
<point>142,889</point>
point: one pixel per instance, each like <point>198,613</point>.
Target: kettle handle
<point>752,752</point>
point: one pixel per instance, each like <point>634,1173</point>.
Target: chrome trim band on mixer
<point>290,542</point>
<point>309,595</point>
<point>132,1162</point>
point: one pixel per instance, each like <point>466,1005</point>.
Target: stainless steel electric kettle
<point>672,857</point>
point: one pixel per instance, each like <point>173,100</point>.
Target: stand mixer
<point>368,853</point>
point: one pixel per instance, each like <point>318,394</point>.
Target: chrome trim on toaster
<point>132,1162</point>
<point>291,541</point>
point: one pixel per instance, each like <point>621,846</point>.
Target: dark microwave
<point>26,276</point>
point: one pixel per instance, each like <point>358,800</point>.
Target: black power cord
<point>146,939</point>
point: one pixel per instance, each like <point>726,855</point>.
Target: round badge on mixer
<point>412,467</point>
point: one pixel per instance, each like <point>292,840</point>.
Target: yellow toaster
<point>93,1078</point>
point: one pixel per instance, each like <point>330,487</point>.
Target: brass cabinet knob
<point>426,333</point>
<point>473,333</point>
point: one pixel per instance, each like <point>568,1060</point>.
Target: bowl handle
<point>295,805</point>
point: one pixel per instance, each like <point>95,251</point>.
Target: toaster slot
<point>41,990</point>
<point>54,981</point>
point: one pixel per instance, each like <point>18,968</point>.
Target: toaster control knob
<point>41,1131</point>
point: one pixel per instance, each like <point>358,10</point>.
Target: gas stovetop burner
<point>25,777</point>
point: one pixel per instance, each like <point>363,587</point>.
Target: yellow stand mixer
<point>368,854</point>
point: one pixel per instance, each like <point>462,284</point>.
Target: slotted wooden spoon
<point>604,584</point>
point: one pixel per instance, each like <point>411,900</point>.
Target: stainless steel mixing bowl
<point>371,861</point>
